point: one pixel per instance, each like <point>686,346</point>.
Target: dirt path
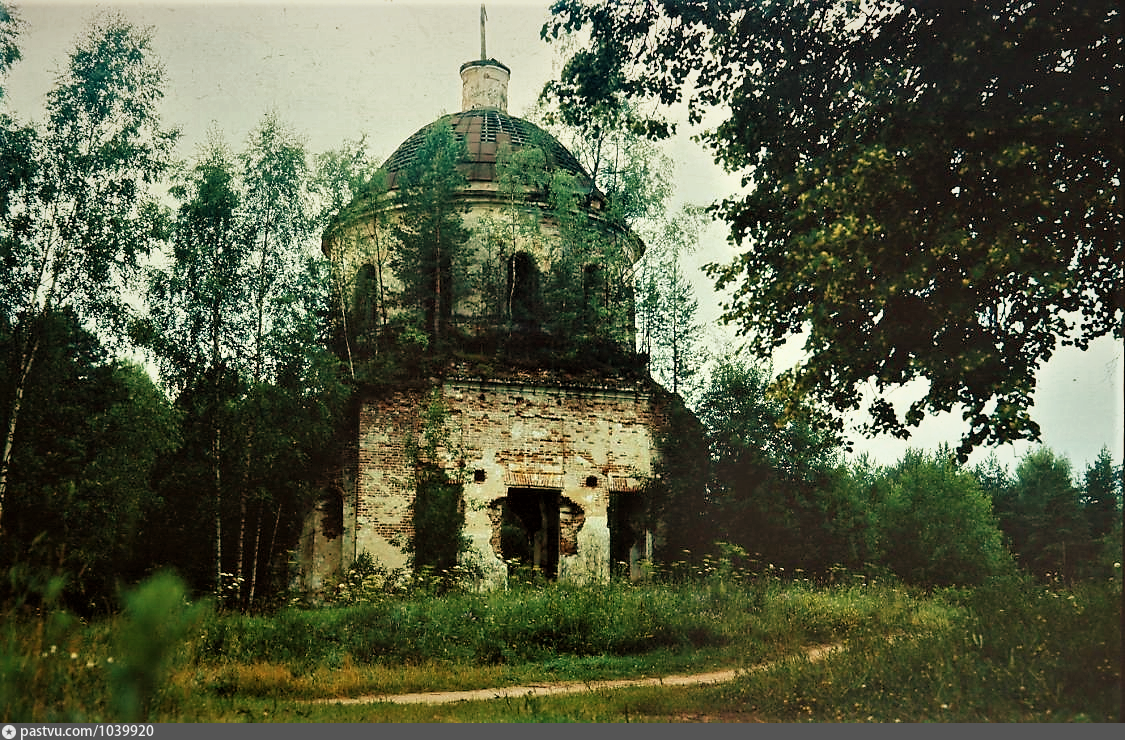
<point>571,687</point>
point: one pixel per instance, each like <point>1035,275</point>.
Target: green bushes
<point>935,525</point>
<point>152,635</point>
<point>504,627</point>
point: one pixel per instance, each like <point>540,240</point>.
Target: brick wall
<point>586,442</point>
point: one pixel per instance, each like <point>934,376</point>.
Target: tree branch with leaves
<point>931,192</point>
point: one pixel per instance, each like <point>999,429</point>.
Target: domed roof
<point>485,131</point>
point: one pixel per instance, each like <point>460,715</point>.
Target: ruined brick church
<point>554,466</point>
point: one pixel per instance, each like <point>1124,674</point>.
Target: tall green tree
<point>1101,503</point>
<point>1045,521</point>
<point>1101,499</point>
<point>932,191</point>
<point>237,320</point>
<point>668,330</point>
<point>778,488</point>
<point>76,214</point>
<point>197,302</point>
<point>934,524</point>
<point>431,232</point>
<point>198,319</point>
<point>277,215</point>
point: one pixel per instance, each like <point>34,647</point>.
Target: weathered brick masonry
<point>585,444</point>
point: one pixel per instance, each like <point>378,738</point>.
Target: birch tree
<point>236,321</point>
<point>76,213</point>
<point>197,312</point>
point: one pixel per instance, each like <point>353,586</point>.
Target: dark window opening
<point>332,514</point>
<point>522,300</point>
<point>365,309</point>
<point>478,476</point>
<point>591,481</point>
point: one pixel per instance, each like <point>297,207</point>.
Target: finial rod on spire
<point>483,18</point>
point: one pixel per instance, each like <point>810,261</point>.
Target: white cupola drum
<point>484,84</point>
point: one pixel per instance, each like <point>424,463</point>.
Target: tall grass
<point>1012,652</point>
<point>504,627</point>
<point>1005,652</point>
<point>52,667</point>
<point>56,668</point>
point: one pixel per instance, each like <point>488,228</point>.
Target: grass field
<point>1008,652</point>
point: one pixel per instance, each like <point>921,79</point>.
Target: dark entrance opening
<point>529,528</point>
<point>627,535</point>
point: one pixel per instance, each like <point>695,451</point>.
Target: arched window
<point>365,311</point>
<point>523,290</point>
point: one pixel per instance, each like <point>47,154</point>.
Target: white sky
<point>385,68</point>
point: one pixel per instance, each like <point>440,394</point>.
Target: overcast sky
<point>385,68</point>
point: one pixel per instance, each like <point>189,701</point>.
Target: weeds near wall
<point>437,545</point>
<point>366,581</point>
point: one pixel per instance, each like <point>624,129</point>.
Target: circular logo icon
<point>9,732</point>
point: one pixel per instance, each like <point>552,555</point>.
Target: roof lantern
<point>484,84</point>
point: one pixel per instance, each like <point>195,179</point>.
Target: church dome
<point>486,129</point>
<point>485,132</point>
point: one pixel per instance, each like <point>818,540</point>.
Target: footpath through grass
<point>1007,652</point>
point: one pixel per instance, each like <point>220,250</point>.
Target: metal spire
<point>483,18</point>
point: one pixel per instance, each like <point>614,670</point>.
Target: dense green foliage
<point>437,542</point>
<point>156,621</point>
<point>781,491</point>
<point>81,495</point>
<point>932,190</point>
<point>935,525</point>
<point>1055,526</point>
<point>236,322</point>
<point>777,488</point>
